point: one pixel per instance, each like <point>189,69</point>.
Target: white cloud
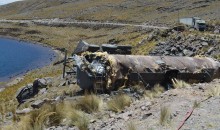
<point>3,2</point>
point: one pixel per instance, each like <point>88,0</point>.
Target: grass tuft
<point>179,83</point>
<point>36,120</point>
<point>165,116</point>
<point>155,92</point>
<point>82,122</point>
<point>131,126</point>
<point>52,115</point>
<point>119,102</point>
<point>214,91</point>
<point>89,103</point>
<point>196,104</point>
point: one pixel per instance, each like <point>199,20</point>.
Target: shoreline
<point>16,78</point>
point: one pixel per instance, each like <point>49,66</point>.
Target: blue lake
<point>16,57</point>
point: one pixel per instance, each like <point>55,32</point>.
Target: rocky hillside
<point>150,11</point>
<point>184,44</point>
<point>45,100</point>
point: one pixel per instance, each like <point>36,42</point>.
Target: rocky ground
<point>187,44</point>
<point>146,109</point>
<point>143,113</point>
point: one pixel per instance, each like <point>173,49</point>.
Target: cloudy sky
<point>2,2</point>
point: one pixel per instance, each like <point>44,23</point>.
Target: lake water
<point>18,57</point>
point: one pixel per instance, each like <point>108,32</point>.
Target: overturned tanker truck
<point>103,71</point>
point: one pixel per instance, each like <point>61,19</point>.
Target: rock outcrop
<point>32,89</point>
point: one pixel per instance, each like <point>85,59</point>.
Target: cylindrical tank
<point>122,69</point>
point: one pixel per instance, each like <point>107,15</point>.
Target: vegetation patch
<point>154,92</point>
<point>119,102</point>
<point>131,126</point>
<point>179,83</point>
<point>214,91</point>
<point>89,103</point>
<point>165,116</point>
<point>51,115</point>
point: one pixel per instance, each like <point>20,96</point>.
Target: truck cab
<point>199,24</point>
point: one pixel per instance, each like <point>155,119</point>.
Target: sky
<point>2,2</point>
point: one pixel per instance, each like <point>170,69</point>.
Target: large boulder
<point>43,82</point>
<point>31,90</point>
<point>37,104</point>
<point>26,92</point>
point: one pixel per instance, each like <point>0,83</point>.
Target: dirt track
<point>61,22</point>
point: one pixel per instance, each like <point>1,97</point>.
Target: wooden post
<point>64,64</point>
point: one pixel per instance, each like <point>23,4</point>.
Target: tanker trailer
<point>103,71</point>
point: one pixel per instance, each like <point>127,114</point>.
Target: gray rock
<point>2,89</point>
<point>143,107</point>
<point>92,121</point>
<point>145,116</point>
<point>217,31</point>
<point>37,104</point>
<point>173,49</point>
<point>59,98</point>
<point>112,115</point>
<point>58,128</point>
<point>24,111</point>
<point>203,39</point>
<point>210,50</point>
<point>204,44</point>
<point>152,36</point>
<point>43,82</point>
<point>63,83</point>
<point>43,91</point>
<point>188,52</point>
<point>9,115</point>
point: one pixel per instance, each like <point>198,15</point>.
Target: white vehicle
<point>194,22</point>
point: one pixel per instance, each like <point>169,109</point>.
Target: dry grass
<point>36,120</point>
<point>217,56</point>
<point>51,115</point>
<point>145,48</point>
<point>196,104</point>
<point>68,37</point>
<point>139,88</point>
<point>165,116</point>
<point>119,102</point>
<point>89,103</point>
<point>75,117</point>
<point>214,91</point>
<point>179,83</point>
<point>131,126</point>
<point>81,122</point>
<point>154,92</point>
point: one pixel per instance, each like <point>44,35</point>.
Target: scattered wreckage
<point>110,68</point>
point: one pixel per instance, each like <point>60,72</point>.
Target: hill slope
<point>156,11</point>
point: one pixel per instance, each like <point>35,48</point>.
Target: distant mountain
<point>158,11</point>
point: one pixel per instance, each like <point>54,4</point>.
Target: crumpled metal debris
<point>107,71</point>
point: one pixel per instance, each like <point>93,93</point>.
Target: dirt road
<point>60,22</point>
